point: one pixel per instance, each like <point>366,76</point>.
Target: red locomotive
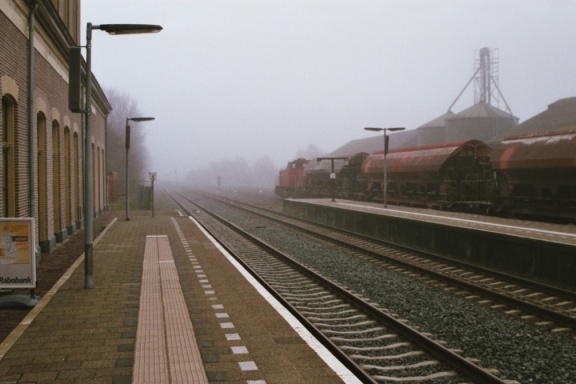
<point>291,179</point>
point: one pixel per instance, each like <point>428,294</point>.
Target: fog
<point>238,81</point>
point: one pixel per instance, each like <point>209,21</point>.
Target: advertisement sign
<point>17,260</point>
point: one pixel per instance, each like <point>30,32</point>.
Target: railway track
<point>376,345</point>
<point>505,292</point>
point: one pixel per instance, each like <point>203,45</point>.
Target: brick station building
<point>41,170</point>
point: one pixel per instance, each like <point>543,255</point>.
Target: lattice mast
<point>486,69</point>
<point>486,79</point>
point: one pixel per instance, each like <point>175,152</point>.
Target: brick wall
<point>51,98</point>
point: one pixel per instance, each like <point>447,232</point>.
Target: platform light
<point>113,29</point>
<point>127,145</point>
<point>332,173</point>
<point>385,184</point>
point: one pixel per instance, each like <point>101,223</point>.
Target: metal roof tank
<point>433,132</point>
<point>481,122</point>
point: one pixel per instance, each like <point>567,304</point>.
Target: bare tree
<point>264,172</point>
<point>123,106</point>
<point>309,153</point>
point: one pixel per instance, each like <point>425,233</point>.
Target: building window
<point>8,157</point>
<point>41,177</point>
<point>56,176</point>
<point>67,178</point>
<point>77,177</point>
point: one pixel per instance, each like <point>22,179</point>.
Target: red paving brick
<point>158,304</point>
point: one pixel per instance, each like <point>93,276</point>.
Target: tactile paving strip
<point>166,349</point>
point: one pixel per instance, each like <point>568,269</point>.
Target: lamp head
<point>128,29</point>
<point>140,118</point>
<point>385,129</point>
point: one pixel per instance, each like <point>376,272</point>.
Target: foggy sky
<point>253,78</point>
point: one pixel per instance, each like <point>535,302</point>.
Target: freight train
<point>530,175</point>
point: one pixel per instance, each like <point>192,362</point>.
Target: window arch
<point>8,156</point>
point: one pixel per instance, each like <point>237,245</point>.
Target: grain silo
<point>433,132</point>
<point>481,122</point>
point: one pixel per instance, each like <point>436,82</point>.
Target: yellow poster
<point>17,262</point>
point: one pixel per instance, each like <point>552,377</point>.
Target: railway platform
<point>168,306</point>
<point>554,233</point>
<point>532,250</point>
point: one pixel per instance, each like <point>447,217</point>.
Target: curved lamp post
<point>385,185</point>
<point>113,29</point>
<point>127,149</point>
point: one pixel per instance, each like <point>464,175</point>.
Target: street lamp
<point>385,185</point>
<point>113,29</point>
<point>127,149</point>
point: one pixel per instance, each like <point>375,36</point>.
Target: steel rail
<point>459,363</point>
<point>333,348</point>
<point>556,317</point>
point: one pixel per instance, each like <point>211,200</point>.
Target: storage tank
<point>433,132</point>
<point>481,122</point>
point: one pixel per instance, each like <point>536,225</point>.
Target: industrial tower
<point>486,79</point>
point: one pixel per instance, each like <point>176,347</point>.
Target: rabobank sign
<point>15,280</point>
<point>17,258</point>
